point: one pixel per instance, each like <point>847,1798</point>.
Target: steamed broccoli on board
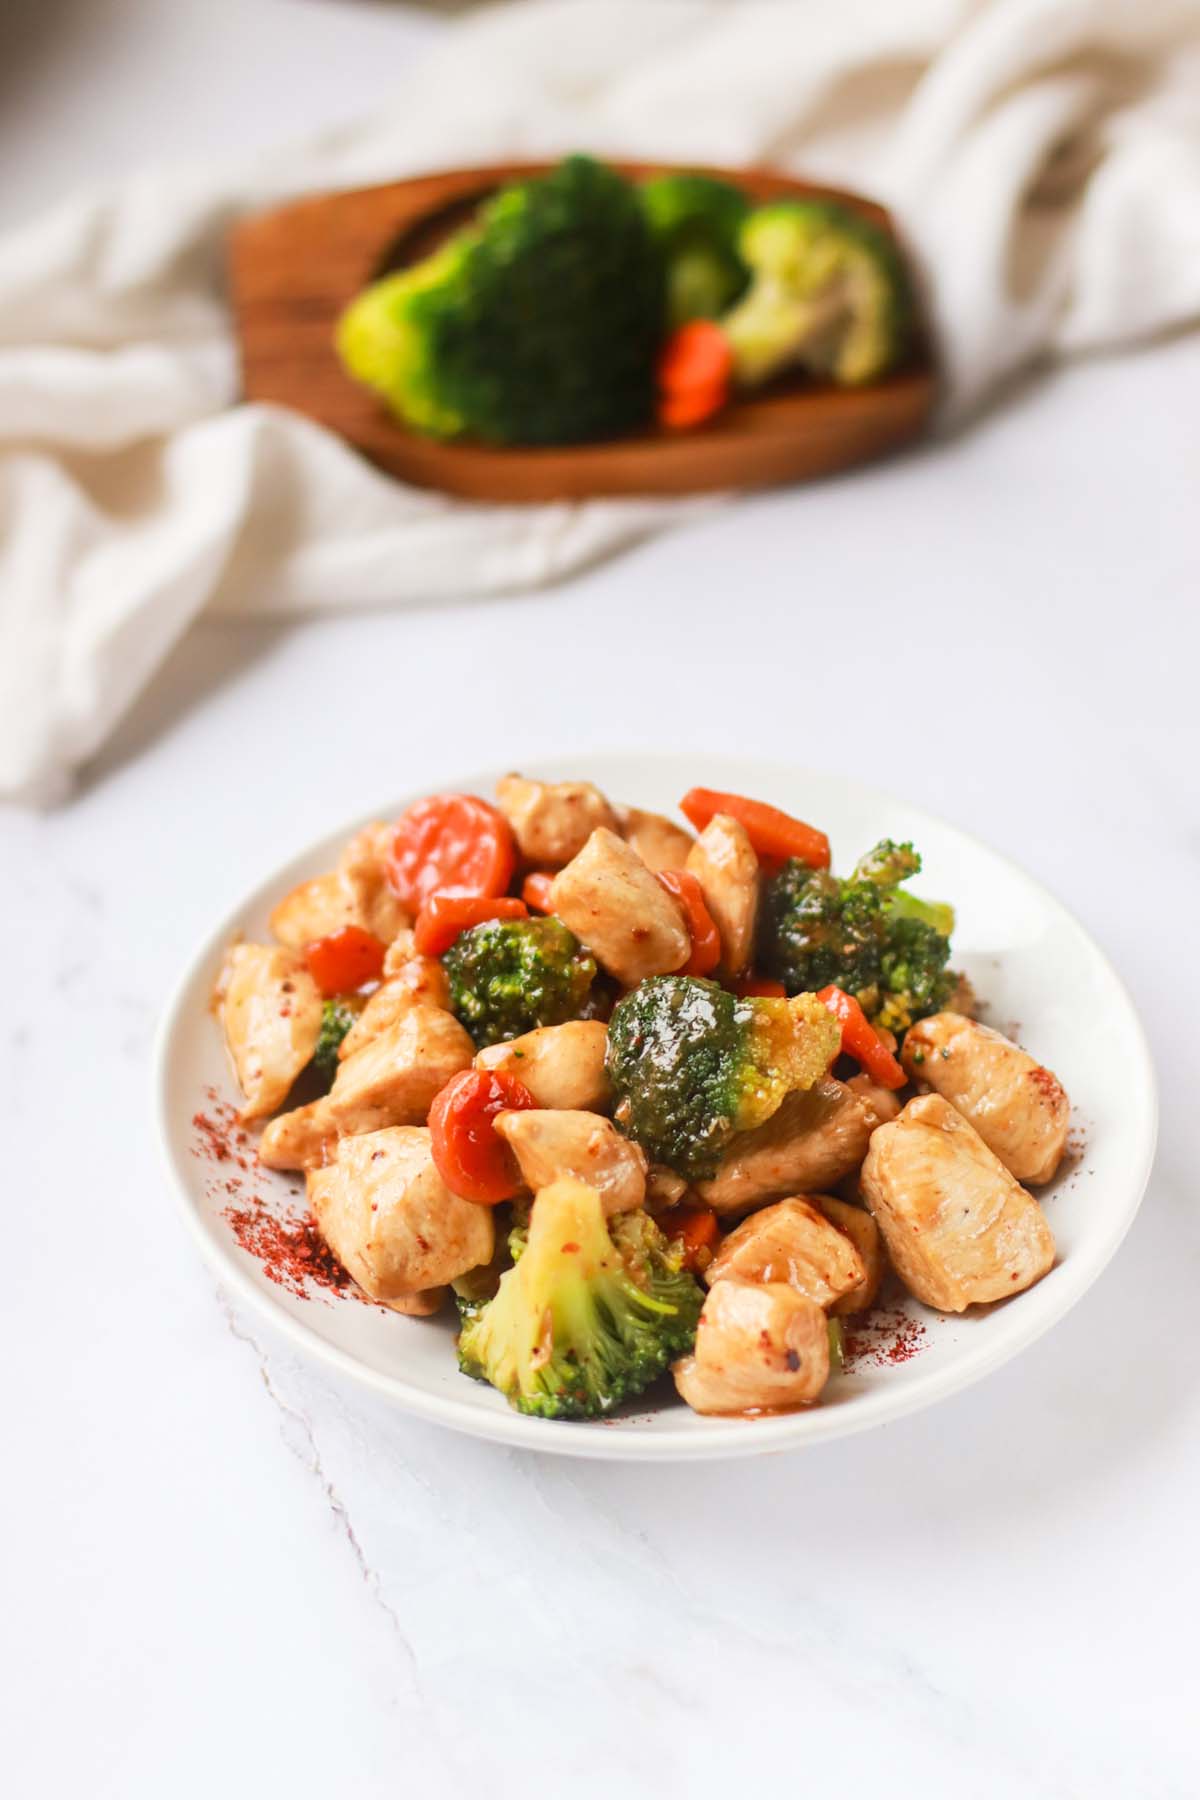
<point>695,221</point>
<point>537,324</point>
<point>828,292</point>
<point>589,1314</point>
<point>692,1064</point>
<point>509,975</point>
<point>885,947</point>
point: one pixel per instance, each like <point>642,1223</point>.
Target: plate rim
<point>723,1438</point>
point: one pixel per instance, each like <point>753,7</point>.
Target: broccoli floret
<point>815,929</point>
<point>692,1064</point>
<point>696,220</point>
<point>828,291</point>
<point>887,865</point>
<point>509,975</point>
<point>934,913</point>
<point>476,1287</point>
<point>537,324</point>
<point>913,978</point>
<point>863,935</point>
<point>337,1016</point>
<point>584,1319</point>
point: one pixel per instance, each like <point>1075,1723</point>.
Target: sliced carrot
<point>752,987</point>
<point>472,1159</point>
<point>696,355</point>
<point>774,834</point>
<point>706,939</point>
<point>535,890</point>
<point>696,1229</point>
<point>445,916</point>
<point>861,1040</point>
<point>694,371</point>
<point>679,412</point>
<point>453,841</point>
<point>344,960</point>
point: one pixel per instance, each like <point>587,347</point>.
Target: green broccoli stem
<point>934,913</point>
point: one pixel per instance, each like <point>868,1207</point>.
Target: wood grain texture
<point>293,270</point>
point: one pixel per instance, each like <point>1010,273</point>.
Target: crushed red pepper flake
<point>288,1247</point>
<point>214,1139</point>
<point>880,1339</point>
<point>291,1250</point>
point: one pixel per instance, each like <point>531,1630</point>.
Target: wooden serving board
<point>293,270</point>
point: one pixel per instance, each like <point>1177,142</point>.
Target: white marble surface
<point>226,1572</point>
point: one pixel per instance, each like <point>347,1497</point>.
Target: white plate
<point>1030,962</point>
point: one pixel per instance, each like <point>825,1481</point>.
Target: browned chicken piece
<point>363,868</point>
<point>1019,1108</point>
<point>960,1230</point>
<point>392,1222</point>
<point>881,1103</point>
<point>864,1234</point>
<point>315,909</point>
<point>355,893</point>
<point>419,1306</point>
<point>423,976</point>
<point>760,1347</point>
<point>814,1139</point>
<point>549,1144</point>
<point>393,1079</point>
<point>793,1242</point>
<point>271,1013</point>
<point>724,863</point>
<point>610,900</point>
<point>387,1004</point>
<point>552,820</point>
<point>663,1187</point>
<point>561,1065</point>
<point>659,842</point>
<point>399,952</point>
<point>304,1138</point>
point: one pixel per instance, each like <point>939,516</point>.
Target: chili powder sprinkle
<point>289,1248</point>
<point>880,1339</point>
<point>291,1251</point>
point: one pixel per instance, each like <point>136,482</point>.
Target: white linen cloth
<point>1042,156</point>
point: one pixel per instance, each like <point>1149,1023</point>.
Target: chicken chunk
<point>959,1228</point>
<point>362,867</point>
<point>610,900</point>
<point>315,909</point>
<point>549,1144</point>
<point>423,976</point>
<point>387,1004</point>
<point>393,1079</point>
<point>561,1065</point>
<point>813,1140</point>
<point>1019,1109</point>
<point>882,1104</point>
<point>355,893</point>
<point>390,1219</point>
<point>271,1013</point>
<point>795,1243</point>
<point>864,1234</point>
<point>760,1347</point>
<point>659,842</point>
<point>663,1187</point>
<point>552,820</point>
<point>304,1138</point>
<point>724,863</point>
<point>419,1306</point>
